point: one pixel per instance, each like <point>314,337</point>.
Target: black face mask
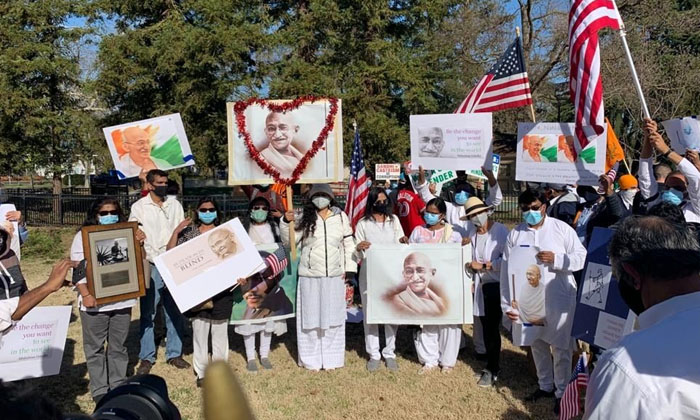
<point>631,296</point>
<point>161,191</point>
<point>379,207</point>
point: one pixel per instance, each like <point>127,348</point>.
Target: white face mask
<point>321,202</point>
<point>628,196</point>
<point>480,219</point>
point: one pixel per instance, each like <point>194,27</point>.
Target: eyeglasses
<point>108,212</point>
<point>259,208</point>
<point>207,209</point>
<point>533,208</point>
<point>270,129</point>
<point>142,143</point>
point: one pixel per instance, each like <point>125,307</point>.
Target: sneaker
<point>199,382</point>
<point>373,365</point>
<point>391,364</point>
<point>179,363</point>
<point>539,394</point>
<point>447,369</point>
<point>265,362</point>
<point>487,379</point>
<point>426,369</point>
<point>557,406</point>
<point>144,367</point>
<point>252,366</point>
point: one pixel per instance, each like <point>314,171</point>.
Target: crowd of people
<point>654,254</point>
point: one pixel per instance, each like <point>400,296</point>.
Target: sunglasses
<point>534,208</point>
<point>207,209</point>
<point>108,212</point>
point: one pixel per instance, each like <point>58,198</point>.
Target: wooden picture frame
<point>114,259</point>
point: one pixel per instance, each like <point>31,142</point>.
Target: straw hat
<point>473,206</point>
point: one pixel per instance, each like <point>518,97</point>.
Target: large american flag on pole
<point>504,86</point>
<point>586,18</point>
<point>357,188</point>
<point>570,400</point>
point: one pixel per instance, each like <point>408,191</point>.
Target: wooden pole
<point>532,106</point>
<point>292,232</point>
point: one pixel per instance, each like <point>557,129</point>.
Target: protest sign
<point>208,264</point>
<point>387,171</point>
<point>33,347</point>
<point>549,152</point>
<point>684,133</point>
<point>440,177</point>
<point>415,284</point>
<point>467,279</point>
<point>495,166</point>
<point>527,284</point>
<point>15,244</point>
<point>285,141</point>
<point>156,143</point>
<point>451,141</point>
<point>601,316</point>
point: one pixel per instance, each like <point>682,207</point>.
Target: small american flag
<point>275,264</point>
<point>570,400</point>
<point>504,86</point>
<point>358,189</point>
<point>586,18</point>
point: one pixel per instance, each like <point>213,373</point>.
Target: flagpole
<point>630,62</point>
<point>532,102</point>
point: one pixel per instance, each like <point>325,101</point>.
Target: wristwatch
<point>668,152</point>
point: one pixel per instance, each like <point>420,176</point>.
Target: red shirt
<point>409,207</point>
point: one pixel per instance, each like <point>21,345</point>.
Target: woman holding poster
<point>436,344</point>
<point>378,226</point>
<point>324,235</point>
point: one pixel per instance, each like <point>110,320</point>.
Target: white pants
<point>321,348</point>
<point>249,341</point>
<point>438,344</point>
<point>200,339</point>
<point>372,341</point>
<point>552,376</point>
<point>478,336</point>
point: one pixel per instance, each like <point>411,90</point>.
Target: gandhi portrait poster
<point>284,142</point>
<point>208,264</point>
<point>156,143</point>
<point>415,284</point>
<point>451,141</point>
<point>527,285</point>
<point>550,152</point>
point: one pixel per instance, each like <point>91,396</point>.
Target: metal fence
<point>45,209</point>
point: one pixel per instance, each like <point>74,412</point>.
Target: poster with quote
<point>602,318</point>
<point>549,152</point>
<point>452,141</point>
<point>33,347</point>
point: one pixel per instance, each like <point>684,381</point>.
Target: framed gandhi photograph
<point>415,284</point>
<point>114,262</point>
<point>285,141</point>
<point>208,264</point>
<point>156,143</point>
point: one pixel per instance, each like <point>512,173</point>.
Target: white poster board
<point>33,347</point>
<point>155,143</point>
<point>415,284</point>
<point>387,171</point>
<point>467,279</point>
<point>451,141</point>
<point>208,264</point>
<point>684,133</point>
<point>527,284</point>
<point>15,245</point>
<point>549,152</point>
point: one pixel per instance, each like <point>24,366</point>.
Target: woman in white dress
<point>378,226</point>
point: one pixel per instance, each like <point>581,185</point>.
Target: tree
<point>37,75</point>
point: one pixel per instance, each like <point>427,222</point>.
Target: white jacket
<point>328,252</point>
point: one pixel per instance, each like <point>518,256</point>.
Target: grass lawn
<point>291,392</point>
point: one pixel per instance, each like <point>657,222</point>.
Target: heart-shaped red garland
<point>239,109</point>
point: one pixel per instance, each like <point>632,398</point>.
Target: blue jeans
<point>174,321</point>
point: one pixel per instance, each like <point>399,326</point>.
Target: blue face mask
<point>206,217</point>
<point>461,197</point>
<point>394,185</point>
<point>431,218</point>
<point>109,219</point>
<point>672,196</point>
<point>532,217</point>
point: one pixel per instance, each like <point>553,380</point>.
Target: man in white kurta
<point>561,252</point>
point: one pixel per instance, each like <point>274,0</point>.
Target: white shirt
<point>77,254</point>
<point>487,247</point>
<point>569,256</point>
<point>261,234</point>
<point>157,222</point>
<point>649,188</point>
<point>7,308</point>
<point>387,232</point>
<point>653,373</point>
<point>455,212</point>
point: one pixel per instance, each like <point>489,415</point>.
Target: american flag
<point>586,18</point>
<point>504,86</point>
<point>570,400</point>
<point>275,265</point>
<point>357,190</point>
